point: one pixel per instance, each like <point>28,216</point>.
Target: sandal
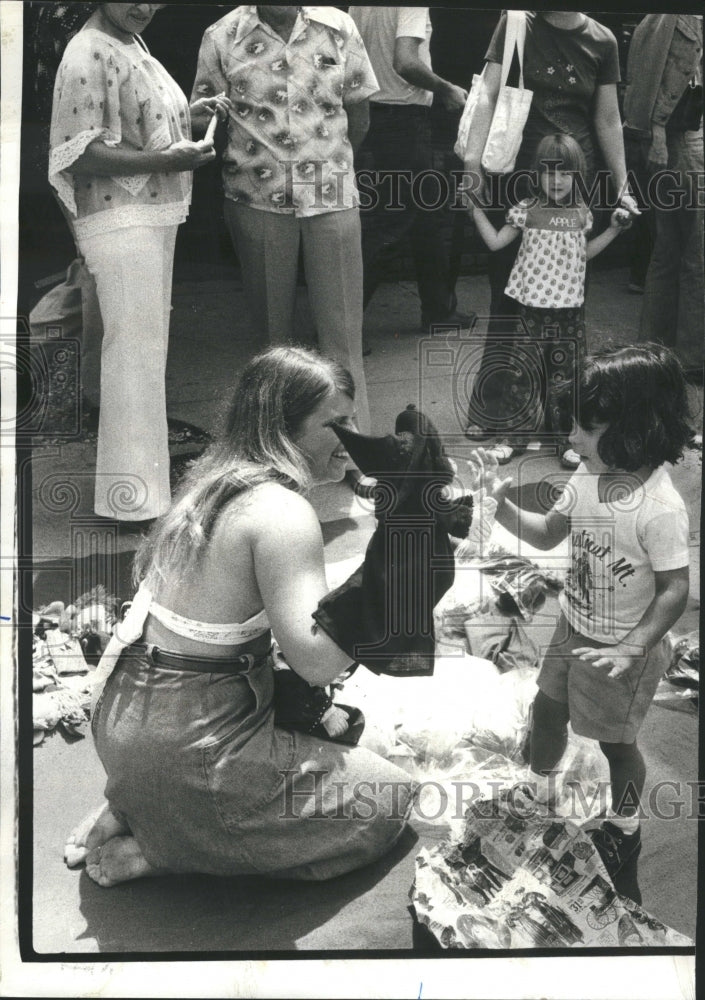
<point>476,433</point>
<point>503,452</point>
<point>570,459</point>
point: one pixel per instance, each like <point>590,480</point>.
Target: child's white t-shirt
<point>616,547</point>
<point>549,270</point>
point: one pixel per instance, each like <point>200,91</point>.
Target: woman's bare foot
<point>93,831</point>
<point>118,860</point>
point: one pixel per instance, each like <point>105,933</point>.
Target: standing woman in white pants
<point>121,161</point>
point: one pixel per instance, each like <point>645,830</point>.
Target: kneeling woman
<point>199,777</point>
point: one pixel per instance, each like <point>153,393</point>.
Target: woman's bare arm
<point>287,547</point>
<point>99,160</point>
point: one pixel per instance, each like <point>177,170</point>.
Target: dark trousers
<point>394,157</point>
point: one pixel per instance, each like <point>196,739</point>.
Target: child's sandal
<point>476,433</point>
<point>502,451</point>
<point>570,459</point>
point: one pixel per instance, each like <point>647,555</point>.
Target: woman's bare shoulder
<point>269,507</point>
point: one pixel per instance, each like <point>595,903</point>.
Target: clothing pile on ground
<point>67,643</point>
<point>681,682</point>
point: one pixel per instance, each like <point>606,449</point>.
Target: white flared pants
<point>133,273</point>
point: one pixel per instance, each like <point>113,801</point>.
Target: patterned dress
<point>547,282</point>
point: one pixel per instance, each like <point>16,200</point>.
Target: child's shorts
<point>600,707</point>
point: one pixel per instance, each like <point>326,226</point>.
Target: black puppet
<point>382,616</point>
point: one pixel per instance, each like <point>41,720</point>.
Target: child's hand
<point>484,469</point>
<point>470,197</point>
<point>620,659</point>
<point>620,219</point>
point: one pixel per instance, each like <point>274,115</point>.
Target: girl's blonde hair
<point>559,152</point>
<point>277,390</point>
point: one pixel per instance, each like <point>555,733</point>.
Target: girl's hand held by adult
<point>188,155</point>
<point>628,203</point>
<point>621,218</point>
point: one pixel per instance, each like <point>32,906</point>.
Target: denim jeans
<point>674,294</point>
<point>208,783</point>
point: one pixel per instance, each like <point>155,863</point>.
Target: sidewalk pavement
<point>366,910</point>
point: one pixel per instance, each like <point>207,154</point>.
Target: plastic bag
<point>62,305</point>
<point>681,682</point>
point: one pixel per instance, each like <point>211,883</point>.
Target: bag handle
<point>514,38</point>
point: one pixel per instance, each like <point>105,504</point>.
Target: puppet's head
<point>412,462</point>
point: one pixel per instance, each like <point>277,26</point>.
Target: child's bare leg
<point>118,860</point>
<point>549,738</point>
<point>95,829</point>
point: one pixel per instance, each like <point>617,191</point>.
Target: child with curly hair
<point>628,583</point>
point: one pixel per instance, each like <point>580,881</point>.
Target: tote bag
<point>467,118</point>
<point>513,103</point>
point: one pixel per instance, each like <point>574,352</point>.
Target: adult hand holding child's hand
<point>621,218</point>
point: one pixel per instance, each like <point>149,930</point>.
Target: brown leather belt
<point>199,664</point>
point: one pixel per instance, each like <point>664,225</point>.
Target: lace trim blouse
<point>118,93</point>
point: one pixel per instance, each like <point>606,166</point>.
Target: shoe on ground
<point>570,459</point>
<point>502,451</point>
<point>476,433</point>
<point>615,847</point>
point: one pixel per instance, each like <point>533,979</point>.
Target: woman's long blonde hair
<point>277,390</point>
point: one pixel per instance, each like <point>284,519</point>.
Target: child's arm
<point>667,606</point>
<point>539,530</point>
<point>619,220</point>
<point>494,239</point>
